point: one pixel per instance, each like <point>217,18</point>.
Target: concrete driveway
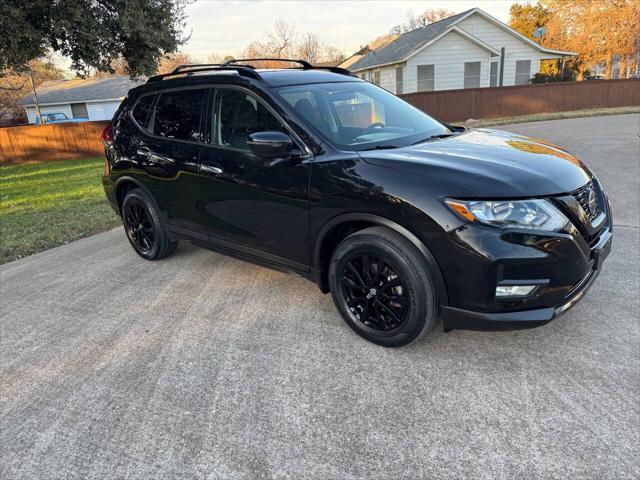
<point>202,366</point>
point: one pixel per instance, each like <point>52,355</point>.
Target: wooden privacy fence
<point>459,105</point>
<point>45,143</point>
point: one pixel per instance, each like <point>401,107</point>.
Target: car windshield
<point>360,116</point>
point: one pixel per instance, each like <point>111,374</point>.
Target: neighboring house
<point>93,98</point>
<point>468,50</point>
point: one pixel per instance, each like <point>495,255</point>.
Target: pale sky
<point>227,27</point>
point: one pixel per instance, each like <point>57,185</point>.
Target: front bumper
<point>565,264</point>
<point>457,318</point>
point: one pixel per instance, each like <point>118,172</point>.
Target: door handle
<point>211,169</point>
<point>144,152</point>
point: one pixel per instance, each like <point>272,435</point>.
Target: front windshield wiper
<point>380,147</point>
<point>436,137</point>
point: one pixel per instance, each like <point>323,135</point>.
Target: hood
<point>488,163</point>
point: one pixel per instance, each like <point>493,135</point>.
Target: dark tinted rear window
<point>141,110</point>
<point>178,114</point>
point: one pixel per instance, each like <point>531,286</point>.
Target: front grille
<point>589,199</point>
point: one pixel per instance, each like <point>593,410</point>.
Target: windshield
<point>359,115</point>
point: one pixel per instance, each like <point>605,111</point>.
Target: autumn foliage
<point>600,31</point>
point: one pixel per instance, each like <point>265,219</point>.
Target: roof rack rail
<point>304,64</point>
<point>242,70</point>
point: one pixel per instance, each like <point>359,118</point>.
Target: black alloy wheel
<point>139,227</point>
<point>374,292</point>
<point>382,287</point>
<point>145,231</point>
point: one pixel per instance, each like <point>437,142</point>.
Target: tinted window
<point>238,115</point>
<point>141,110</point>
<point>471,74</point>
<point>399,80</point>
<point>356,115</point>
<point>178,114</point>
<point>79,110</point>
<point>523,72</point>
<point>426,78</point>
<point>493,75</point>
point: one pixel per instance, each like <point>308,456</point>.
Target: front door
<point>248,205</point>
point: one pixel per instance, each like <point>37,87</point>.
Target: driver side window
<point>238,114</point>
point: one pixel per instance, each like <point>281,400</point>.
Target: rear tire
<point>145,231</point>
<point>382,287</point>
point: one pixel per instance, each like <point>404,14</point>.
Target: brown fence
<point>459,105</point>
<point>45,143</point>
<point>64,141</point>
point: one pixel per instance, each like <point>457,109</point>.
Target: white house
<point>468,50</point>
<point>93,98</point>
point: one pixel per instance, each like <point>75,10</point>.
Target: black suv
<point>401,217</point>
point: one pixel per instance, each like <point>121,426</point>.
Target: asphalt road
<point>202,366</point>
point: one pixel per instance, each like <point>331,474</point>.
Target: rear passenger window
<point>141,110</point>
<point>177,114</point>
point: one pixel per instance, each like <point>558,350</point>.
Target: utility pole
<point>35,95</point>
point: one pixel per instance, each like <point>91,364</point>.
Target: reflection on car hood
<point>489,163</point>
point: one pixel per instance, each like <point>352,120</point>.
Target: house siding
<point>448,55</point>
<point>96,110</point>
<point>515,49</point>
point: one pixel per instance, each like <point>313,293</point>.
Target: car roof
<point>267,77</point>
<point>290,76</point>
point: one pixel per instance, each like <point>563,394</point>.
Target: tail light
<point>107,134</point>
<point>107,139</point>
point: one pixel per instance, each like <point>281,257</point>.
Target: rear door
<point>169,155</point>
<point>248,205</point>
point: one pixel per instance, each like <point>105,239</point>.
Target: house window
<point>399,80</point>
<point>79,110</point>
<point>426,78</point>
<point>472,74</point>
<point>376,77</point>
<point>493,75</point>
<point>523,72</point>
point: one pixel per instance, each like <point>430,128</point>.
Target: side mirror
<point>270,145</point>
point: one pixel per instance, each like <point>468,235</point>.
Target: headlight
<point>534,214</point>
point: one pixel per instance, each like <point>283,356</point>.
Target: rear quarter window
<point>142,109</point>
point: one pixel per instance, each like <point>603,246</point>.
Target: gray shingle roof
<point>66,91</point>
<point>406,43</point>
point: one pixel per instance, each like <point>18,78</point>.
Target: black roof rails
<point>304,64</point>
<point>242,70</point>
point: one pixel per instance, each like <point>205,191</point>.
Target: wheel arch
<point>123,185</point>
<point>357,221</point>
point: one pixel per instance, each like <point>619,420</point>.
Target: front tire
<point>382,287</point>
<point>145,231</point>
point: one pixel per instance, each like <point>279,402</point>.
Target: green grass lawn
<point>48,204</point>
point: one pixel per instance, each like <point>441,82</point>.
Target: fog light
<point>514,290</point>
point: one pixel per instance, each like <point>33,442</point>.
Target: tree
<point>15,85</point>
<point>526,18</point>
<point>310,48</point>
<point>599,30</point>
<point>281,38</point>
<point>170,62</point>
<point>92,33</point>
<point>282,41</point>
<point>420,20</point>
